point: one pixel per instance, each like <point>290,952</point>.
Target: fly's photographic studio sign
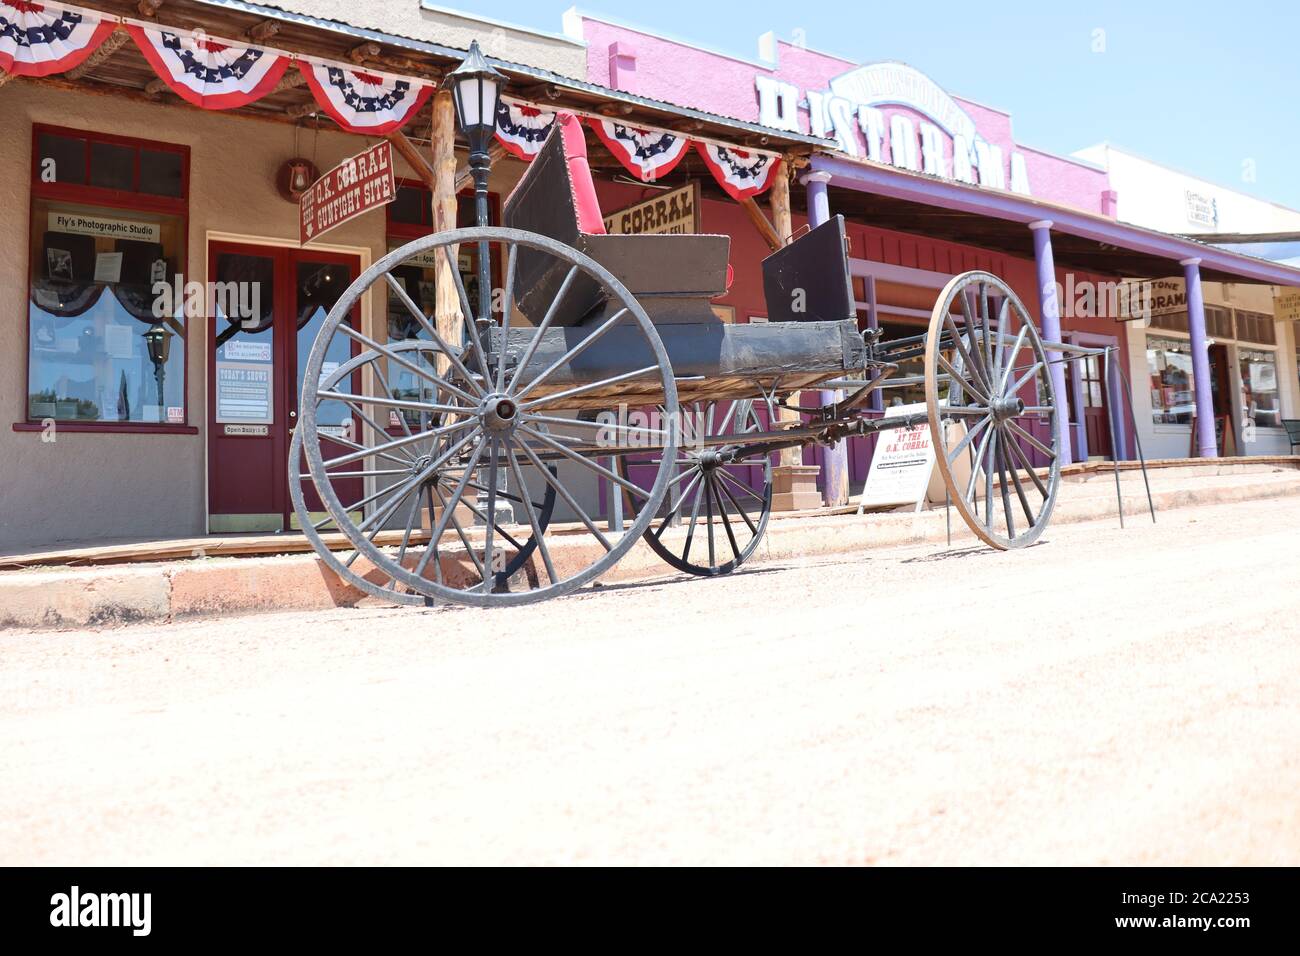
<point>351,189</point>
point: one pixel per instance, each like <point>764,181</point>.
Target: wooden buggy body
<point>674,278</point>
<point>475,482</point>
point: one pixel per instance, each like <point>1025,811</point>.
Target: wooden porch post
<point>447,317</point>
<point>794,484</point>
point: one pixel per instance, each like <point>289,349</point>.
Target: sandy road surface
<point>1107,697</point>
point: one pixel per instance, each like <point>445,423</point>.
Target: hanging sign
<point>1286,306</point>
<point>901,466</point>
<point>355,186</point>
<point>676,211</point>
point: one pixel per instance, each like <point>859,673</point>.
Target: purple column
<point>1205,434</point>
<point>835,460</point>
<point>1050,311</point>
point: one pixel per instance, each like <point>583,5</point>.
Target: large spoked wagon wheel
<point>314,525</point>
<point>496,425</point>
<point>992,410</point>
<point>727,514</point>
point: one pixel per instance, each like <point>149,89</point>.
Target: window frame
<point>127,200</point>
<point>1168,427</point>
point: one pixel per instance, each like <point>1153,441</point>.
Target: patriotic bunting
<point>213,74</point>
<point>363,102</point>
<point>742,173</point>
<point>39,40</point>
<point>647,153</point>
<point>522,128</point>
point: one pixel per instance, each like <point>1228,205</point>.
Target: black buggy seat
<point>672,276</point>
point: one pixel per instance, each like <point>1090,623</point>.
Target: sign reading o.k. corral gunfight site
<point>354,186</point>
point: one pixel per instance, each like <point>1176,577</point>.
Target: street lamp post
<point>158,341</point>
<point>476,90</point>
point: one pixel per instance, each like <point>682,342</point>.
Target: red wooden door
<point>266,305</point>
<point>1095,414</point>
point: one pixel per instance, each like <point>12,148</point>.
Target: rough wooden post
<point>447,317</point>
<point>794,484</point>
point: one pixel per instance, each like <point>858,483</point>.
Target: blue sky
<point>1209,88</point>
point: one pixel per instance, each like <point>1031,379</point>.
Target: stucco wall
<point>435,24</point>
<point>85,486</point>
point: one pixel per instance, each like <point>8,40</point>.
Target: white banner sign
<point>81,224</point>
<point>901,467</point>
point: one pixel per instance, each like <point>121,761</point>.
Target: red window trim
<point>132,428</point>
<point>113,199</point>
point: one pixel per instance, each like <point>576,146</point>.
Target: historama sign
<point>353,187</point>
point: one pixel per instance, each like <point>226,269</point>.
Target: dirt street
<point>1105,697</point>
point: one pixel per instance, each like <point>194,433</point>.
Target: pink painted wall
<point>688,76</point>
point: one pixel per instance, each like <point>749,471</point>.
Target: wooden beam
<point>300,110</point>
<point>111,45</point>
<point>147,8</point>
<point>419,165</point>
<point>779,197</point>
<point>446,311</point>
<point>769,234</point>
<point>363,51</point>
<point>264,30</point>
<point>291,80</point>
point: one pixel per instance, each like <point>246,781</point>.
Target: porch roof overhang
<point>911,202</point>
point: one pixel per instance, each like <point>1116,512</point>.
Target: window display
<point>102,345</point>
<point>1169,365</point>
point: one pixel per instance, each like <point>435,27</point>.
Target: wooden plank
<point>765,229</point>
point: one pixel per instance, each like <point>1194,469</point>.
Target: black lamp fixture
<point>476,90</point>
<point>159,343</point>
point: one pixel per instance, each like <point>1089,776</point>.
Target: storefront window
<point>1259,393</point>
<point>1169,365</point>
<point>103,345</point>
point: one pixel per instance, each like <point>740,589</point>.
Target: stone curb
<point>41,599</point>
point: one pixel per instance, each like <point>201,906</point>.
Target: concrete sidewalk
<point>60,597</point>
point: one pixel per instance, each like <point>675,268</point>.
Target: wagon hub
<point>500,414</point>
<point>1008,406</point>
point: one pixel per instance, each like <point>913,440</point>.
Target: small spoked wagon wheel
<point>497,422</point>
<point>720,496</point>
<point>992,410</point>
<point>314,524</point>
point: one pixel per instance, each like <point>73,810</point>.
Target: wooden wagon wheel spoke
<point>558,398</point>
<point>394,356</point>
<point>980,436</point>
<point>565,359</point>
<point>640,432</point>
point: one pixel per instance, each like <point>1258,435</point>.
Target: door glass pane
<point>243,310</point>
<point>319,286</point>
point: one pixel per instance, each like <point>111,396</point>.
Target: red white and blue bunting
<point>362,102</point>
<point>213,74</point>
<point>647,153</point>
<point>41,39</point>
<point>522,127</point>
<point>742,173</point>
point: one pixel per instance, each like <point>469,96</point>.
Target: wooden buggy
<point>602,370</point>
